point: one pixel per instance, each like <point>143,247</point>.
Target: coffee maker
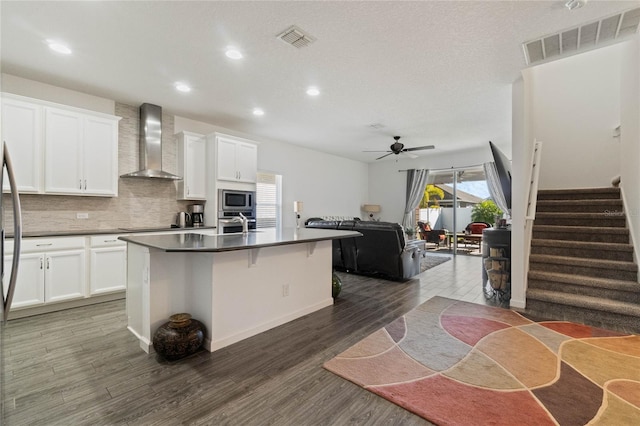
<point>197,215</point>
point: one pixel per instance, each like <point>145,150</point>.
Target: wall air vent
<point>296,37</point>
<point>588,36</point>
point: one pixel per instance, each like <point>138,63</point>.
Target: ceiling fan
<point>398,148</point>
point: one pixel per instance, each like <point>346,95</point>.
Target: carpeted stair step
<point>610,314</point>
<point>612,269</point>
<point>579,194</point>
<point>584,233</point>
<point>625,291</point>
<point>608,251</point>
<point>612,207</point>
<point>580,219</point>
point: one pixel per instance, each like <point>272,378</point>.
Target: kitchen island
<point>237,285</point>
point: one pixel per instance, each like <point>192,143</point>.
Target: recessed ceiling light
<point>313,91</point>
<point>258,111</point>
<point>56,46</point>
<point>575,4</point>
<point>182,87</point>
<point>233,53</point>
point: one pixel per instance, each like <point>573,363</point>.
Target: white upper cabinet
<point>63,152</point>
<point>22,132</point>
<point>60,149</point>
<point>237,159</point>
<point>191,166</point>
<point>100,156</point>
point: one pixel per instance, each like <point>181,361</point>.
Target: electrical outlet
<point>82,215</point>
<point>285,290</point>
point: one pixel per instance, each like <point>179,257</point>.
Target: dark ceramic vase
<point>179,337</point>
<point>336,285</point>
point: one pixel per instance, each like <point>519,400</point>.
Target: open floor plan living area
<point>320,212</point>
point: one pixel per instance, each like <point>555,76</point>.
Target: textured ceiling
<point>435,73</point>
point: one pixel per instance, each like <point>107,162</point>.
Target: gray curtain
<point>416,183</point>
<point>495,189</point>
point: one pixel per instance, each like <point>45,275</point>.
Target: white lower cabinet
<point>30,286</point>
<point>51,270</point>
<point>64,275</point>
<point>108,265</point>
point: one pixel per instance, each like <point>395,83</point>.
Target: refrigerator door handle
<point>17,232</point>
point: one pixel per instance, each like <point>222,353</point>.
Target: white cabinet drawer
<point>106,241</point>
<point>46,244</point>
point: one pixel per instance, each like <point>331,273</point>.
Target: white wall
<point>47,92</point>
<point>575,105</point>
<point>520,169</point>
<point>630,136</point>
<point>388,178</point>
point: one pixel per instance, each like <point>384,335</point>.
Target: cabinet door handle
<point>44,244</point>
<point>80,186</point>
<point>187,190</point>
<point>85,184</point>
<point>110,241</point>
<point>48,262</point>
<point>41,263</point>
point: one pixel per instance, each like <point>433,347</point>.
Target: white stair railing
<point>532,200</point>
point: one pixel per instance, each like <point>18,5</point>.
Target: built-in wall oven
<point>230,204</point>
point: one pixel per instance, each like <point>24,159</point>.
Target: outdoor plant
<point>485,211</point>
<point>431,196</point>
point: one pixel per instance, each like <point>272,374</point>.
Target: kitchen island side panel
<point>235,294</point>
<point>137,293</point>
<point>284,283</point>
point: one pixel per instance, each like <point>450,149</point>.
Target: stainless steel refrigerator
<point>7,283</point>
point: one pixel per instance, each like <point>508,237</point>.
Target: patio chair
<point>436,236</point>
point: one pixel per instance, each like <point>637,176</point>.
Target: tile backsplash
<point>140,202</point>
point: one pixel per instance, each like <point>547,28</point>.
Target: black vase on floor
<point>178,338</point>
<point>336,285</point>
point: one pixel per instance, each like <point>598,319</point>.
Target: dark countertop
<point>85,232</point>
<point>195,242</point>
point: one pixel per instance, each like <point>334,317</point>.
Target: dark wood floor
<point>82,366</point>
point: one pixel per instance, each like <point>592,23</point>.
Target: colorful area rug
<point>458,363</point>
<point>429,262</point>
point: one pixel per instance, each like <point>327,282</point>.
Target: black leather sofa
<point>380,251</point>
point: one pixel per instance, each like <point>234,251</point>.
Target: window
<point>268,197</point>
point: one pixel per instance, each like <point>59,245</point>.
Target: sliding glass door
<point>449,203</point>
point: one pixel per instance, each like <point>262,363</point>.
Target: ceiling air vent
<point>585,37</point>
<point>296,37</point>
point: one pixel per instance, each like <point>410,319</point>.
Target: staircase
<point>581,266</point>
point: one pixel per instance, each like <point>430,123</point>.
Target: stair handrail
<point>534,178</point>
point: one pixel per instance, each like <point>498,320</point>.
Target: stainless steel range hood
<point>151,145</point>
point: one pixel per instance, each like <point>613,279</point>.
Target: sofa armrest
<point>410,257</point>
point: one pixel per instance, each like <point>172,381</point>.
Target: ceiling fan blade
<point>376,151</point>
<point>386,155</point>
<point>418,148</point>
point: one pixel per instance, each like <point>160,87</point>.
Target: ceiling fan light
<point>56,46</point>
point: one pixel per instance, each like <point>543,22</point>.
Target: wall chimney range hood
<point>151,145</point>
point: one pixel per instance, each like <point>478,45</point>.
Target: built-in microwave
<point>234,200</point>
